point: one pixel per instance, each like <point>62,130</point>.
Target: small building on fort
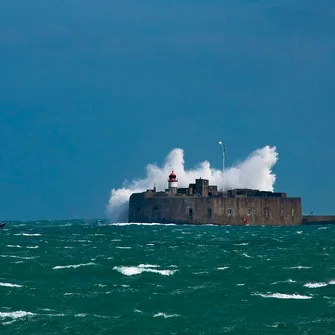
<point>202,203</point>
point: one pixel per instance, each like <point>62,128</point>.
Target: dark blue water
<point>82,277</point>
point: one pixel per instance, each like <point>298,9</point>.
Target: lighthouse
<point>173,183</point>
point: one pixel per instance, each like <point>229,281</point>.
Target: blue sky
<point>92,91</point>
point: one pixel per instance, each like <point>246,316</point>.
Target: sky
<point>93,91</point>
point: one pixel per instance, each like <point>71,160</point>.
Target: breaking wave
<point>254,172</point>
<point>58,267</point>
<point>136,270</point>
<point>283,296</point>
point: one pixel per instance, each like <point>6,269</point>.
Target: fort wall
<point>274,211</point>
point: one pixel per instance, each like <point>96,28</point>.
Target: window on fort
<point>209,213</point>
<point>190,213</point>
<point>249,211</point>
<point>229,211</point>
<point>282,211</point>
<point>266,213</point>
<point>292,211</point>
<point>155,209</point>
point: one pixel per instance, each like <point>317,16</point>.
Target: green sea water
<point>91,277</point>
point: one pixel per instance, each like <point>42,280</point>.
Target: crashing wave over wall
<point>254,172</point>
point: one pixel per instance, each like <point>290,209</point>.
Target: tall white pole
<point>223,147</point>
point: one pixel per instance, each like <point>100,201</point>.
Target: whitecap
<point>137,311</point>
<point>71,266</point>
<point>223,268</point>
<point>240,284</point>
<point>13,246</point>
<point>283,296</point>
<point>246,255</point>
<point>148,266</point>
<point>241,244</point>
<point>10,285</point>
<point>15,315</point>
<point>33,247</point>
<point>300,267</point>
<point>166,315</point>
<point>332,282</point>
<point>284,281</point>
<point>123,247</point>
<point>315,285</point>
<point>136,270</point>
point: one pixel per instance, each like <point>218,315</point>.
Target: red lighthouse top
<point>172,177</point>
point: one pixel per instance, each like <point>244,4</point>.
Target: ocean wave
<point>136,270</point>
<point>58,267</point>
<point>315,285</point>
<point>123,247</point>
<point>15,315</point>
<point>332,282</point>
<point>20,257</point>
<point>223,268</point>
<point>166,315</point>
<point>284,281</point>
<point>26,234</point>
<point>283,296</point>
<point>140,224</point>
<point>300,267</point>
<point>10,285</point>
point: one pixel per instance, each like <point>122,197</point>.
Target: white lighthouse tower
<point>173,183</point>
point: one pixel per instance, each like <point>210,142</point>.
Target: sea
<point>95,277</point>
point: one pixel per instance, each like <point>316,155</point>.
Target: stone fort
<point>201,203</point>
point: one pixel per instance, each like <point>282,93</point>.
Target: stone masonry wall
<point>216,210</point>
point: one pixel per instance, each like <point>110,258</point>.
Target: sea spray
<point>254,172</point>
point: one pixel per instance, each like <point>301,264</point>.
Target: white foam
<point>315,285</point>
<point>241,244</point>
<point>148,266</point>
<point>283,296</point>
<point>300,267</point>
<point>13,246</point>
<point>284,281</point>
<point>15,315</point>
<point>136,270</point>
<point>10,285</point>
<point>33,247</point>
<point>166,315</point>
<point>240,284</point>
<point>71,266</point>
<point>246,255</point>
<point>137,311</point>
<point>123,247</point>
<point>332,282</point>
<point>223,268</point>
<point>255,172</point>
<point>299,232</point>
